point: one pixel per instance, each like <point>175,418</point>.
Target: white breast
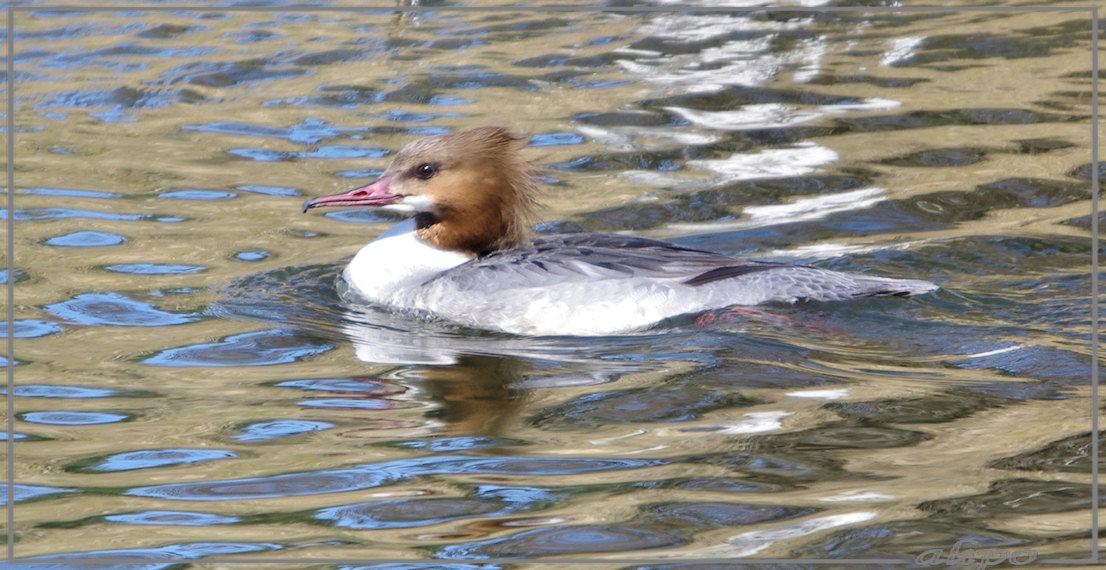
<point>390,269</point>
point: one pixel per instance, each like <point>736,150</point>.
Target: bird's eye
<point>425,171</point>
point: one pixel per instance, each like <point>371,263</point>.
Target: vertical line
<point>11,282</point>
<point>1094,284</point>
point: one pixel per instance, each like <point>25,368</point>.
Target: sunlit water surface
<point>192,387</point>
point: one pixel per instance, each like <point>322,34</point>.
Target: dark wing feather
<point>731,271</point>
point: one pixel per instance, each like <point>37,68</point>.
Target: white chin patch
<point>413,203</point>
<point>399,207</point>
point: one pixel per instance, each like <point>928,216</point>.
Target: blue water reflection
<point>197,195</point>
<point>378,474</point>
<point>269,190</point>
<point>28,492</point>
<point>71,193</point>
<point>152,458</point>
<point>67,213</point>
<point>309,132</point>
<point>252,255</point>
<point>487,501</point>
<point>4,276</point>
<point>55,391</point>
<point>114,309</point>
<point>155,268</point>
<point>171,518</point>
<point>31,328</point>
<point>265,431</point>
<point>564,540</point>
<point>86,239</point>
<point>264,348</point>
<point>356,385</point>
<point>74,418</point>
<point>335,151</point>
<point>185,551</point>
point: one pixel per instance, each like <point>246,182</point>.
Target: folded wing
<point>577,259</point>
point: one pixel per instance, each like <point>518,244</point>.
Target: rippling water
<point>190,386</point>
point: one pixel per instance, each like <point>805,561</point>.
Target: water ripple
<point>114,309</point>
<point>19,276</point>
<point>74,418</point>
<point>230,74</point>
<point>54,391</point>
<point>28,492</point>
<point>197,195</point>
<point>269,190</point>
<point>569,540</point>
<point>252,255</point>
<point>262,348</point>
<point>117,102</point>
<point>308,132</point>
<point>337,151</point>
<point>71,193</point>
<point>30,328</point>
<point>378,474</point>
<point>185,550</point>
<point>155,268</point>
<point>86,239</point>
<point>35,214</point>
<point>269,430</point>
<point>170,518</point>
<point>408,513</point>
<point>716,515</point>
<point>149,459</point>
<point>347,385</point>
<point>452,444</point>
<point>356,404</point>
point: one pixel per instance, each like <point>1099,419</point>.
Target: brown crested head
<point>473,190</point>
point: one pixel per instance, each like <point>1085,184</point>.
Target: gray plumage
<point>580,258</point>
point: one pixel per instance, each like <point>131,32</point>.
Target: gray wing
<point>576,258</point>
<point>555,259</point>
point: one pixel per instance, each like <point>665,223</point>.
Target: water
<point>191,387</point>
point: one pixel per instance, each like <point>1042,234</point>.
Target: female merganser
<point>464,255</point>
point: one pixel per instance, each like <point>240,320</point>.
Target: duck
<point>465,254</point>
